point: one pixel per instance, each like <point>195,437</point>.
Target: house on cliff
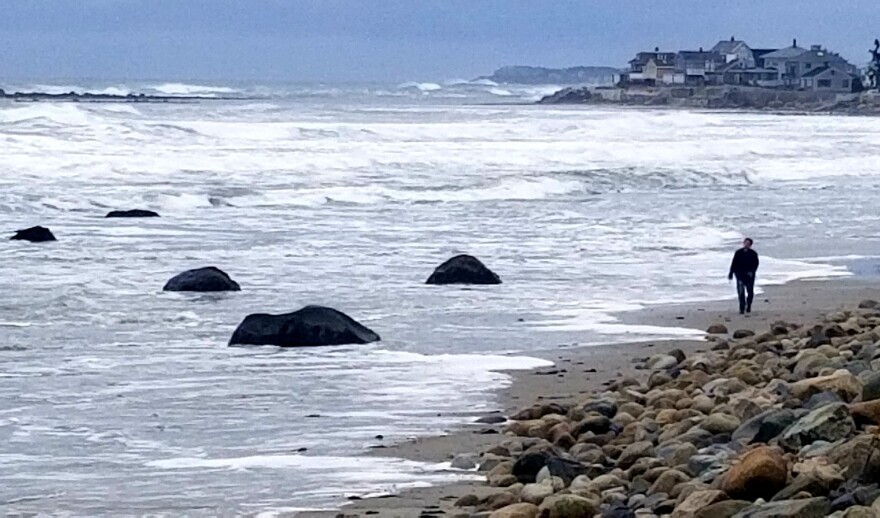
<point>733,62</point>
<point>698,67</point>
<point>794,63</point>
<point>735,50</point>
<point>651,68</point>
<point>828,79</point>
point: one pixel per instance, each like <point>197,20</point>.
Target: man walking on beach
<point>744,266</point>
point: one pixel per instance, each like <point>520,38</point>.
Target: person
<point>744,266</point>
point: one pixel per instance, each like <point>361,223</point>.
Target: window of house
<point>824,83</point>
<point>844,83</point>
<point>808,66</point>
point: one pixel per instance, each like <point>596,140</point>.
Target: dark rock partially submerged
<point>463,269</point>
<point>135,213</point>
<point>34,235</point>
<point>208,279</point>
<point>309,327</point>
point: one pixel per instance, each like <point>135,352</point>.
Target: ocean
<point>119,399</point>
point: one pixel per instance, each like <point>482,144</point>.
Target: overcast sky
<point>396,40</point>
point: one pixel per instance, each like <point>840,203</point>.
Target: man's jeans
<point>745,289</point>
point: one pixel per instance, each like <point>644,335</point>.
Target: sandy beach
<point>582,370</point>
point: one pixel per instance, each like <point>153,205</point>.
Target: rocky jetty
<point>100,97</point>
<point>463,269</point>
<point>207,279</point>
<point>775,424</point>
<point>134,213</point>
<point>309,327</point>
<point>34,235</point>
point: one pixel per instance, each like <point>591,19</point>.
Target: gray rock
<point>807,508</point>
<point>820,399</point>
<point>871,390</point>
<point>743,333</point>
<point>465,461</point>
<point>827,423</point>
<point>605,407</point>
<point>634,452</point>
<point>720,423</point>
<point>662,362</point>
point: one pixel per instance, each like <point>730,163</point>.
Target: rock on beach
<point>208,279</point>
<point>134,213</point>
<point>34,235</point>
<point>308,327</point>
<point>463,269</point>
<point>778,423</point>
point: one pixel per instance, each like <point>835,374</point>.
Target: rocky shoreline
<point>721,98</point>
<point>774,419</point>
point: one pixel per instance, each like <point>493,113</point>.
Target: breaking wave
<point>184,89</point>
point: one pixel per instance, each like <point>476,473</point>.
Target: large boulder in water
<point>34,235</point>
<point>134,213</point>
<point>463,269</point>
<point>206,279</point>
<point>310,326</point>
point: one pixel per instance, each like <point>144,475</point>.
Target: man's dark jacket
<point>745,264</point>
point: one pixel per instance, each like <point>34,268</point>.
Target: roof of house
<point>787,52</point>
<point>699,55</point>
<point>762,52</point>
<point>760,71</point>
<point>660,58</point>
<point>821,70</point>
<point>728,46</point>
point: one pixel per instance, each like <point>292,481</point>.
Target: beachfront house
<point>733,62</point>
<point>829,79</point>
<point>698,67</point>
<point>651,68</point>
<point>794,63</point>
<point>735,50</point>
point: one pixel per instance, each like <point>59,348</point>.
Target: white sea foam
<point>185,89</point>
<point>63,114</point>
<point>423,87</point>
<point>501,92</point>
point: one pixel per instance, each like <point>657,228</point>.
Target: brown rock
<point>667,481</point>
<point>867,412</point>
<point>760,473</point>
<point>717,329</point>
<point>697,501</point>
<point>503,481</point>
<point>743,333</point>
<point>634,452</point>
<point>498,501</point>
<point>467,501</point>
<point>859,511</point>
<point>567,506</point>
<point>854,454</point>
<point>842,382</point>
<point>725,509</point>
<point>516,511</point>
